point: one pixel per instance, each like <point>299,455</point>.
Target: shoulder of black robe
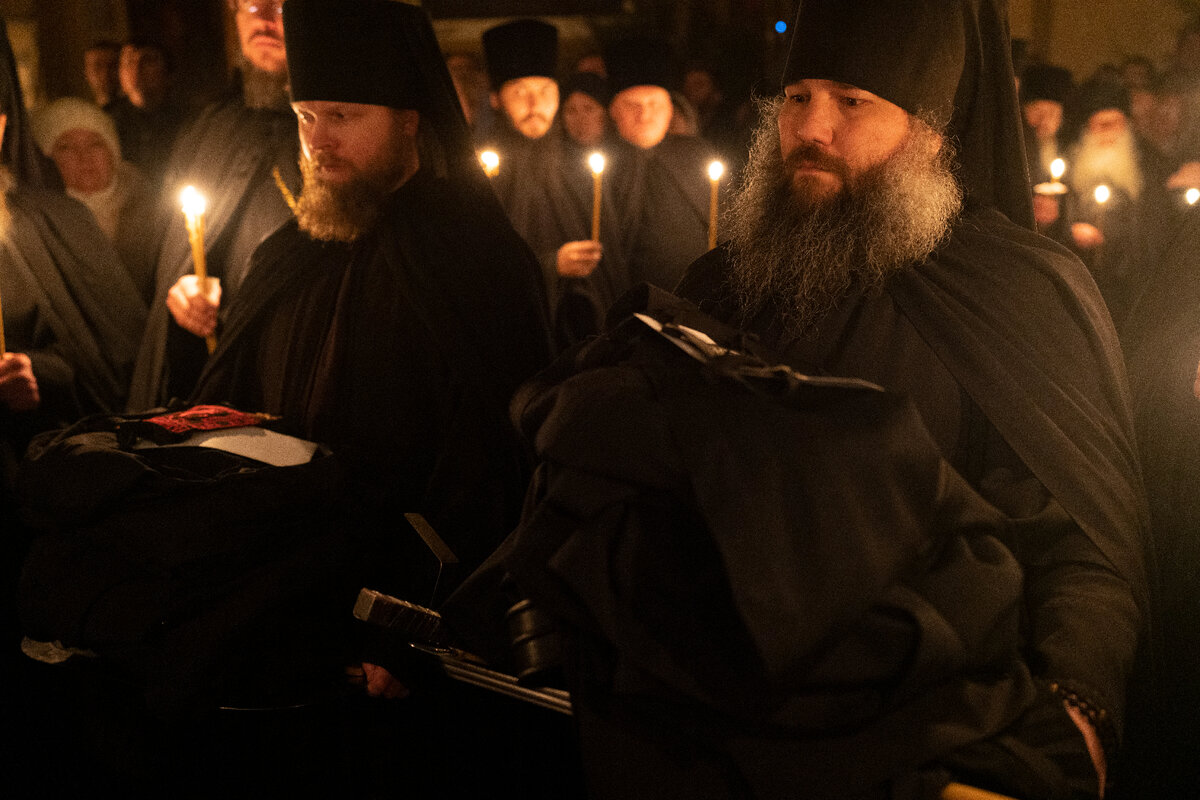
<point>1020,324</point>
<point>224,152</point>
<point>545,187</point>
<point>669,208</point>
<point>84,292</point>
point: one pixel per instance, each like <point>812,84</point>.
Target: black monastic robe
<point>546,188</point>
<point>228,153</point>
<point>69,304</point>
<point>400,353</point>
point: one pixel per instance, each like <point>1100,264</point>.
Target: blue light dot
<point>781,27</point>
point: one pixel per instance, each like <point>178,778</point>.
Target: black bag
<point>185,566</point>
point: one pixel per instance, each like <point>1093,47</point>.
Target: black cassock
<point>228,154</point>
<point>546,188</point>
<point>783,674</point>
<point>400,352</point>
<point>69,304</point>
<point>668,208</point>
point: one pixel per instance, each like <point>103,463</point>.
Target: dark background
<point>49,36</point>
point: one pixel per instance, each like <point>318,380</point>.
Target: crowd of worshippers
<point>848,503</point>
<point>1112,159</point>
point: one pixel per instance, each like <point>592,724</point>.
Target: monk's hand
<point>380,683</point>
<point>194,306</point>
<point>1186,177</point>
<point>18,386</point>
<point>1095,749</point>
<point>1045,210</point>
<point>1086,235</point>
<point>579,259</point>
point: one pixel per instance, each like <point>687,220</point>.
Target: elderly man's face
<point>1107,126</point>
<point>832,132</point>
<point>530,102</point>
<point>260,33</point>
<point>642,114</point>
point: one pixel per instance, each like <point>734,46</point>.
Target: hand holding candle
<point>491,162</point>
<point>715,170</point>
<point>596,162</point>
<point>193,213</point>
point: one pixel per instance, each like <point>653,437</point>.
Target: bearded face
<point>801,246</point>
<point>530,103</point>
<point>1109,158</point>
<point>353,157</point>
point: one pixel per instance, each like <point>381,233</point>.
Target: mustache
<point>812,156</point>
<point>322,161</point>
<point>536,115</point>
<point>266,33</point>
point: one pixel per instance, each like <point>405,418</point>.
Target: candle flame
<point>490,160</point>
<point>1102,194</point>
<point>1058,168</point>
<point>1192,195</point>
<point>193,202</point>
<point>596,162</point>
<point>715,170</point>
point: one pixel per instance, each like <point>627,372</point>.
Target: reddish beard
<point>337,212</point>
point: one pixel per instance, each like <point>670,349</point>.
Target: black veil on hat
<point>19,152</point>
<point>949,59</point>
<point>520,49</point>
<point>379,52</point>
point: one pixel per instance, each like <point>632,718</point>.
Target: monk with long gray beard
<point>852,254</point>
<point>918,561</point>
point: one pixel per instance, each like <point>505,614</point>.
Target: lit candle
<point>596,162</point>
<point>1191,195</point>
<point>193,215</point>
<point>491,162</point>
<point>1058,168</point>
<point>715,170</point>
<point>1102,194</point>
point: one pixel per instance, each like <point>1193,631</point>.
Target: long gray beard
<point>1116,165</point>
<point>804,256</point>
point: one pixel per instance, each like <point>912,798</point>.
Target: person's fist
<point>380,683</point>
<point>579,259</point>
<point>1086,235</point>
<point>1045,210</point>
<point>193,306</point>
<point>18,387</point>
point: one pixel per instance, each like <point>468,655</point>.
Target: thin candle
<point>596,162</point>
<point>491,162</point>
<point>194,205</point>
<point>715,170</point>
